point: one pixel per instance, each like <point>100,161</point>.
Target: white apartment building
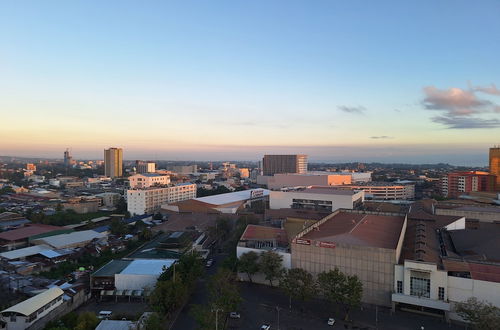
<point>147,180</point>
<point>149,200</point>
<point>316,198</point>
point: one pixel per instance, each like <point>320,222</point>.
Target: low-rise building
<point>21,237</point>
<point>71,240</point>
<point>26,313</point>
<point>445,262</point>
<point>316,198</point>
<point>150,200</point>
<point>365,244</point>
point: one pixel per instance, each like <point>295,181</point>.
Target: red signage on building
<point>327,245</point>
<point>303,241</point>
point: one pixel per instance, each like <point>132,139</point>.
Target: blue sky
<point>341,81</point>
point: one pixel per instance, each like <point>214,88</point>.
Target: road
<point>185,320</point>
<point>260,302</point>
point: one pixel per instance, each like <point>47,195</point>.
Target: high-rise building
<point>145,167</point>
<point>495,164</point>
<point>274,164</point>
<point>460,183</point>
<point>113,162</point>
<point>68,160</point>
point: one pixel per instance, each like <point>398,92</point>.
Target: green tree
<point>340,288</point>
<point>204,316</point>
<point>153,322</point>
<point>121,206</point>
<point>249,264</point>
<point>270,265</point>
<point>157,216</point>
<point>482,315</point>
<point>167,296</point>
<point>87,321</point>
<point>298,284</point>
<point>117,227</point>
<point>223,291</point>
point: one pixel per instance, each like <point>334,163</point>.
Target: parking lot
<point>129,310</point>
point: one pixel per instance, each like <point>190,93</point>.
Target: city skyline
<point>385,82</point>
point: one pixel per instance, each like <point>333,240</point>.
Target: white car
<point>209,263</point>
<point>331,321</point>
<point>234,315</point>
<point>265,327</point>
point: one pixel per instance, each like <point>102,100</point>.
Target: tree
<point>340,288</point>
<point>298,284</point>
<point>121,206</point>
<point>223,291</point>
<point>87,321</point>
<point>204,316</point>
<point>167,295</point>
<point>249,264</point>
<point>157,216</point>
<point>270,265</point>
<point>481,314</point>
<point>153,322</point>
<point>117,227</point>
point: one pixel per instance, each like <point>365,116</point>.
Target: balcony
<point>425,302</point>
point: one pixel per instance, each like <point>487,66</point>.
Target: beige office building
<point>113,162</point>
<point>274,164</point>
<point>149,200</point>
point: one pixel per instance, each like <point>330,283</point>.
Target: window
<point>399,287</point>
<point>420,287</point>
<point>441,293</point>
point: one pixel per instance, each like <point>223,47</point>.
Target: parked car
<point>234,315</point>
<point>331,321</point>
<point>209,262</point>
<point>265,327</point>
<point>105,314</point>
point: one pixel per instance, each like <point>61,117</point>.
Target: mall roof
<point>27,231</point>
<point>31,305</point>
<point>355,228</point>
<point>232,197</point>
<point>482,242</point>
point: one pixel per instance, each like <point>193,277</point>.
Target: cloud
<point>461,109</point>
<point>381,137</point>
<point>456,101</point>
<point>351,109</point>
<point>493,90</point>
<point>466,123</point>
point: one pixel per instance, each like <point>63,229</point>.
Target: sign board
<point>303,241</point>
<point>256,193</point>
<point>327,245</point>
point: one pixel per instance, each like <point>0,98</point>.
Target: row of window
<point>420,287</point>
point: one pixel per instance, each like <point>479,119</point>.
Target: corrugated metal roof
<point>114,325</point>
<point>147,267</point>
<point>60,241</point>
<point>31,305</point>
<point>25,252</point>
<point>237,196</point>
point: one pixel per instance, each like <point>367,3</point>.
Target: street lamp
<point>216,317</point>
<point>278,309</point>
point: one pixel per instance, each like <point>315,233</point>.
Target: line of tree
<point>223,298</point>
<point>175,285</point>
<point>335,286</point>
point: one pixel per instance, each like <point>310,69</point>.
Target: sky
<point>384,81</point>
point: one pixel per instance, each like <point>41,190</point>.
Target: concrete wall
<point>373,266</point>
<point>283,200</point>
<point>481,216</point>
<point>135,282</point>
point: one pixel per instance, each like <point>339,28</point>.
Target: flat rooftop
<point>232,197</point>
<point>28,231</point>
<point>256,233</point>
<point>322,190</point>
<point>371,230</point>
